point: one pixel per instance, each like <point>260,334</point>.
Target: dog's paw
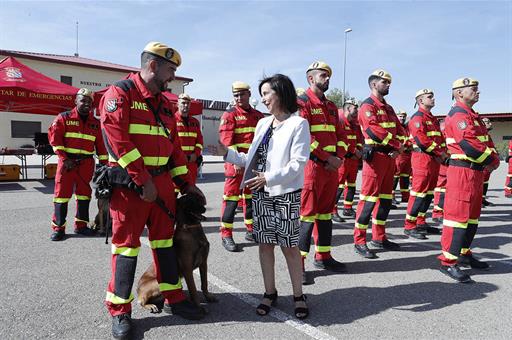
<point>210,297</point>
<point>154,309</point>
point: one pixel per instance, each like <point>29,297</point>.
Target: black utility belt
<point>466,164</point>
<point>421,151</point>
<point>158,171</point>
<point>380,148</point>
<point>77,157</point>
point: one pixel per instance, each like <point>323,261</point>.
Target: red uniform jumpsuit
<point>191,139</point>
<point>440,188</point>
<point>141,146</point>
<point>236,131</point>
<point>319,191</point>
<point>427,142</point>
<point>403,166</point>
<point>347,173</point>
<point>508,182</point>
<point>75,138</point>
<point>381,128</point>
<point>463,201</point>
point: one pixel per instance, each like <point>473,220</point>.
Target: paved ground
<point>56,290</point>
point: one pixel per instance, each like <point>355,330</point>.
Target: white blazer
<point>288,153</point>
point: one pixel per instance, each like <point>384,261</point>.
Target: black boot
<point>230,244</point>
<point>385,244</point>
<point>337,218</point>
<point>472,262</point>
<point>455,273</point>
<point>415,233</point>
<point>330,264</point>
<point>121,326</point>
<point>185,309</point>
<point>362,249</point>
<point>57,235</point>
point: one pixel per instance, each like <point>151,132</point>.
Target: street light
<point>347,31</point>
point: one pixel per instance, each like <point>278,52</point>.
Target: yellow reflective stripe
<point>455,224</point>
<point>440,189</point>
<point>464,251</point>
<point>231,198</point>
<point>361,226</point>
<point>60,200</point>
<point>313,146</point>
<point>386,196</point>
<point>430,192</point>
<point>404,190</point>
<point>351,137</point>
<point>368,198</point>
<point>308,218</point>
<point>79,220</point>
<point>418,194</point>
<point>144,129</point>
<point>450,140</point>
<point>436,207</point>
<point>480,159</point>
<point>322,249</point>
<point>370,141</point>
<point>247,196</point>
<point>352,185</point>
<point>342,144</point>
<point>155,161</point>
<point>187,134</point>
<point>387,124</point>
<point>410,218</point>
<point>102,157</point>
<point>116,300</point>
<point>157,244</point>
<point>483,138</point>
<point>245,129</point>
<point>199,146</point>
<point>80,136</point>
<point>443,145</point>
<point>387,139</point>
<point>421,214</point>
<point>303,253</point>
<point>164,287</point>
<point>431,147</point>
<point>243,145</point>
<point>323,217</point>
<point>82,197</point>
<point>405,175</point>
<point>72,150</point>
<point>433,133</point>
<point>187,148</point>
<point>329,148</point>
<point>125,251</point>
<point>473,221</point>
<point>322,128</point>
<point>59,226</point>
<point>129,157</point>
<point>449,256</point>
<point>248,221</point>
<point>226,225</point>
<point>378,222</point>
<point>179,170</point>
<point>232,147</point>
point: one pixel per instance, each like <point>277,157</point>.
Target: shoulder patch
<point>368,114</point>
<point>111,105</point>
<point>417,125</point>
<point>462,125</point>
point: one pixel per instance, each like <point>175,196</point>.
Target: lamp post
<point>347,31</point>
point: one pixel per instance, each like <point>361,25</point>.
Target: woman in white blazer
<point>274,171</point>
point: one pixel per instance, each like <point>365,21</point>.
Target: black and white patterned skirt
<point>276,219</point>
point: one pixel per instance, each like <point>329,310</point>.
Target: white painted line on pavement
<point>303,327</point>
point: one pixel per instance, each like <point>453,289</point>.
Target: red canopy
<point>196,107</point>
<point>24,90</point>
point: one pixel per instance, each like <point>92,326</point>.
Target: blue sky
<point>421,43</point>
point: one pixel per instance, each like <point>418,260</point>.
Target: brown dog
<point>101,220</point>
<point>192,249</point>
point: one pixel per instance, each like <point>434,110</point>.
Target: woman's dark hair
<point>284,89</point>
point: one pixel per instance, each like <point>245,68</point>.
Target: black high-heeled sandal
<point>266,308</point>
<point>301,312</point>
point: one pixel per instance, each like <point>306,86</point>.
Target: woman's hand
<point>222,150</point>
<point>256,183</point>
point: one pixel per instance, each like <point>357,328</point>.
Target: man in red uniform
<point>487,174</point>
<point>236,130</point>
<point>508,182</point>
<point>403,161</point>
<point>381,128</point>
<point>440,189</point>
<point>347,173</point>
<point>141,138</point>
<point>470,154</point>
<point>190,136</point>
<point>75,136</point>
<point>427,156</point>
<point>328,146</point>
